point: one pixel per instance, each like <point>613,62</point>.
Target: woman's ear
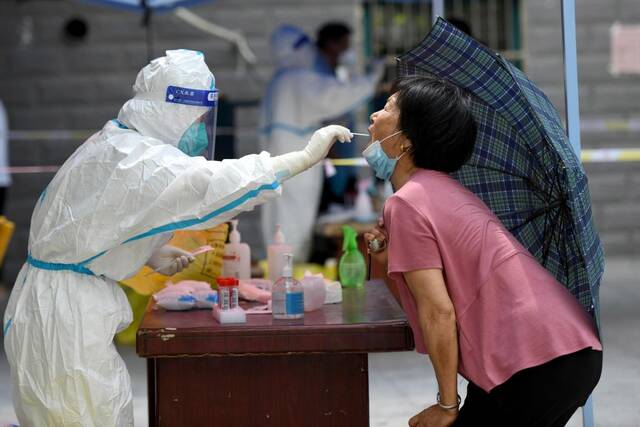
<point>398,145</point>
<point>405,145</point>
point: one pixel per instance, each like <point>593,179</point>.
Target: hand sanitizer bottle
<point>287,297</point>
<point>237,256</point>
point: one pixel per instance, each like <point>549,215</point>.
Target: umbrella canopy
<point>523,167</point>
<point>142,5</point>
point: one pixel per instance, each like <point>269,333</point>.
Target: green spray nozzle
<point>349,242</point>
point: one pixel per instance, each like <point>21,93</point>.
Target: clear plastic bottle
<point>278,295</point>
<point>287,295</point>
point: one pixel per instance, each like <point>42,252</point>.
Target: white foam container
<point>233,315</point>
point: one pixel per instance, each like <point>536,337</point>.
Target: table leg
<point>311,390</point>
<point>151,390</point>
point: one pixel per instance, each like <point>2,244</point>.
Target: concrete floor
<point>402,384</point>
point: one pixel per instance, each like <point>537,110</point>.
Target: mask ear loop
<point>402,148</point>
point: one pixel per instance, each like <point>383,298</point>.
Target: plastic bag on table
<point>178,296</point>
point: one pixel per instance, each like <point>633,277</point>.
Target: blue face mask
<point>381,164</point>
<point>195,140</point>
<point>199,138</point>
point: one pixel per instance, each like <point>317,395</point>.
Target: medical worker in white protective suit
<point>297,101</point>
<point>109,211</point>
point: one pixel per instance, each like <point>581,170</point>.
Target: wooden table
<point>269,372</point>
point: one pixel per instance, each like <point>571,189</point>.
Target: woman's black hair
<point>435,116</point>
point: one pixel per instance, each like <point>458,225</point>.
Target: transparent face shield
<point>200,137</point>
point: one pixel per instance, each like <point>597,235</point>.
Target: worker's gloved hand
<point>323,139</point>
<point>291,164</point>
<point>169,260</point>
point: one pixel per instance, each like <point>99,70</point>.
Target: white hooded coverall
<point>111,205</point>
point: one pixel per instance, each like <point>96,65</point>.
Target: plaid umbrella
<point>523,167</point>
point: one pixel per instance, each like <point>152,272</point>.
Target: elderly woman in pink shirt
<point>478,302</point>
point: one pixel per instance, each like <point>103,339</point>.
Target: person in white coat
<point>110,210</point>
<point>298,99</point>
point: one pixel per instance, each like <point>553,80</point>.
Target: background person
<point>333,40</point>
<point>297,101</point>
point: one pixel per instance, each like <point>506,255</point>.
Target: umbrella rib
<point>566,251</point>
<point>548,238</point>
<point>544,230</point>
<point>557,240</point>
<point>537,212</point>
<point>558,184</point>
<point>543,174</point>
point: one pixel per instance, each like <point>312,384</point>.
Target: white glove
<point>291,164</point>
<point>169,260</point>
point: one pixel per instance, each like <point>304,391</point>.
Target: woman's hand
<point>434,416</point>
<point>379,235</point>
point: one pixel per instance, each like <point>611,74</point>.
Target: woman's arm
<point>438,322</point>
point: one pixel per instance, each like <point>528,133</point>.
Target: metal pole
<point>572,104</point>
<point>587,413</point>
<point>571,94</point>
<point>437,9</point>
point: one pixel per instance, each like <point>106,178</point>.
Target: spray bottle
<point>352,268</point>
